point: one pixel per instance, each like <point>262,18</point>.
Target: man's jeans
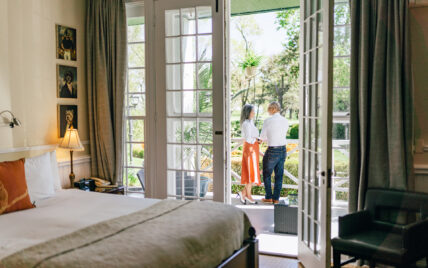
<point>274,160</point>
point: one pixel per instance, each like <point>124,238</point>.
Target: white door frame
<point>305,254</point>
<point>156,186</point>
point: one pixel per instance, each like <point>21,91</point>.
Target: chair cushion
<point>373,244</point>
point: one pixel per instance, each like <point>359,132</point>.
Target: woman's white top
<point>249,131</point>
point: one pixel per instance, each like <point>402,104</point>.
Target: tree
<point>280,73</point>
<point>241,49</point>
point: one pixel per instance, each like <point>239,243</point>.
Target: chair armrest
<point>354,222</point>
<point>415,235</point>
<point>388,227</point>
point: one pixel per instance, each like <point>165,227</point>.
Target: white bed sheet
<point>66,212</point>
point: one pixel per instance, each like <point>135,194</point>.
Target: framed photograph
<point>66,43</point>
<point>67,117</point>
<point>67,81</point>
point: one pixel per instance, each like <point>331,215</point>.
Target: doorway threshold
<point>262,218</point>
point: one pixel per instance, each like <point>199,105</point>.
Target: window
<point>135,102</point>
<point>341,102</point>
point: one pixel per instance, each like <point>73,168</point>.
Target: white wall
<point>28,69</point>
<point>5,100</point>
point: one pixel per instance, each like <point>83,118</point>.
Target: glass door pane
<point>315,138</point>
<point>186,98</point>
<point>190,142</point>
<point>135,102</point>
<point>341,112</point>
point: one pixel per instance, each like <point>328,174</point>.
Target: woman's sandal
<point>249,201</point>
<point>241,198</point>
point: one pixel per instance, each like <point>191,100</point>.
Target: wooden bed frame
<point>245,257</point>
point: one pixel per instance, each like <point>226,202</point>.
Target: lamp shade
<point>71,140</point>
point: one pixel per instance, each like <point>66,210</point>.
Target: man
<point>274,132</point>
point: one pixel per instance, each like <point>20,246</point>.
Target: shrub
<point>339,132</point>
<point>293,132</point>
<point>138,153</point>
<point>292,166</point>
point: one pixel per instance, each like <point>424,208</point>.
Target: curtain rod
<point>418,3</point>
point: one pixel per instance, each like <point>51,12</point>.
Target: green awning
<point>246,7</point>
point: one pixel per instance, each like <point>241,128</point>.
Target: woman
<point>250,157</point>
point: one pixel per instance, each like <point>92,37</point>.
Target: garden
<point>260,74</point>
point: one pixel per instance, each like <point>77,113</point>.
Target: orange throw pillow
<point>13,187</point>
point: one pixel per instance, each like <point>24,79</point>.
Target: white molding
<point>44,147</point>
<point>76,161</point>
<point>418,3</point>
<point>421,169</point>
<point>28,148</point>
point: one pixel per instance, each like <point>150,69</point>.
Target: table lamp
<point>71,142</point>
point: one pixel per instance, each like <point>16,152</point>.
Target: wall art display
<point>67,117</point>
<point>67,81</point>
<point>66,43</point>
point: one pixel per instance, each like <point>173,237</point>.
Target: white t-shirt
<point>275,130</point>
<point>249,131</point>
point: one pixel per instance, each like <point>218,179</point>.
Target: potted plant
<point>250,64</point>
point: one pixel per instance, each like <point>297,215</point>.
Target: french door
<point>189,97</point>
<point>315,138</point>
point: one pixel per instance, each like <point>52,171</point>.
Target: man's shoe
<point>275,201</point>
<point>269,201</point>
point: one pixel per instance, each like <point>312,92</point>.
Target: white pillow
<point>55,172</point>
<point>38,173</point>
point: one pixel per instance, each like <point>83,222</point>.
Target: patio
<point>262,217</point>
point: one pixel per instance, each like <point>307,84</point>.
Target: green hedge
<point>293,132</point>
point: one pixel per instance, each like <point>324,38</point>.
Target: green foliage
<point>260,190</point>
<point>236,128</point>
<point>132,178</point>
<point>293,132</point>
<point>139,153</point>
<point>341,165</point>
<point>339,131</point>
<point>280,73</point>
<point>292,166</point>
<point>250,60</point>
<point>341,100</point>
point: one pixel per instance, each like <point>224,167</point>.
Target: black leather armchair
<point>392,229</point>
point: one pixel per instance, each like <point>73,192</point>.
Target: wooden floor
<point>277,262</point>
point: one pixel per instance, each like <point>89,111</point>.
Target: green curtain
<point>106,66</point>
<point>381,98</point>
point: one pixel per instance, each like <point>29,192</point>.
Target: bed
<point>75,228</point>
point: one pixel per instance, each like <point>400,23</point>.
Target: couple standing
<point>274,132</point>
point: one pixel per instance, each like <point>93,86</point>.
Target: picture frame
<point>67,117</point>
<point>66,82</point>
<point>66,42</point>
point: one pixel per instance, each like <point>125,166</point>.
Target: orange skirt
<point>250,172</point>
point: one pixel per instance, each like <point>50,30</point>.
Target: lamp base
<point>72,177</point>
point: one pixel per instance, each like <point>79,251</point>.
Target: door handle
<point>218,132</point>
<point>322,173</point>
<point>216,6</point>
